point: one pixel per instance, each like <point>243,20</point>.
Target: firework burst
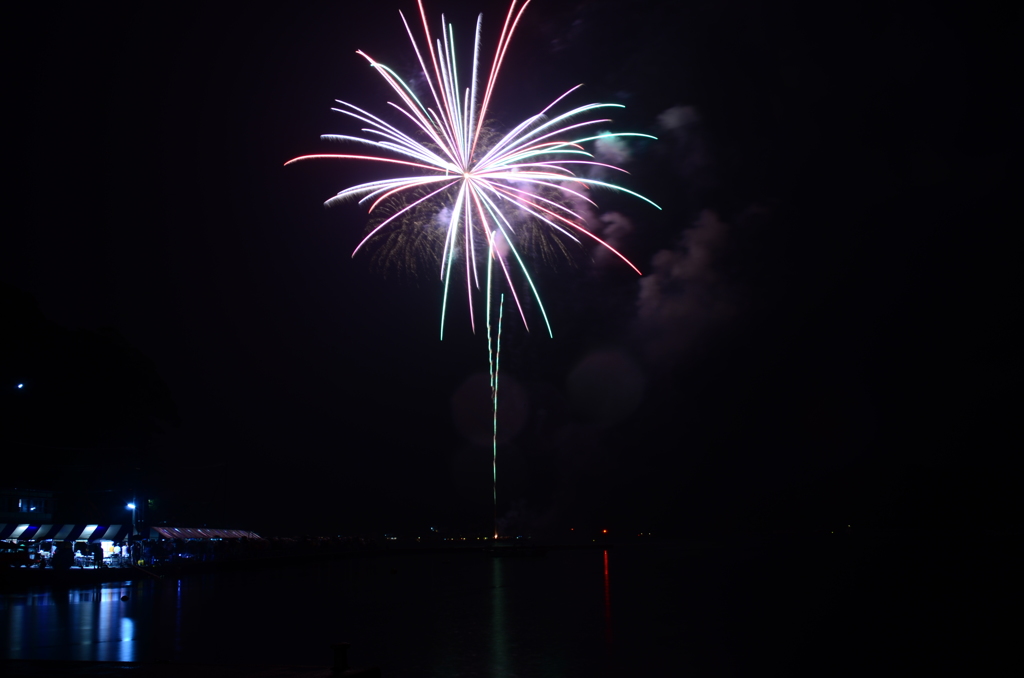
<point>492,187</point>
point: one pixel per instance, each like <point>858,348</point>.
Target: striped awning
<point>66,532</point>
<point>198,533</point>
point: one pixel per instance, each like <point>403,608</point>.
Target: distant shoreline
<point>20,578</point>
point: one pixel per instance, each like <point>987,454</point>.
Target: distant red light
<point>604,531</point>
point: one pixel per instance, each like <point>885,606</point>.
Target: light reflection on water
<point>427,615</point>
<point>500,668</point>
<point>84,624</point>
<point>126,648</point>
<point>607,602</point>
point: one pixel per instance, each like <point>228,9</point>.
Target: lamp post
<point>135,531</point>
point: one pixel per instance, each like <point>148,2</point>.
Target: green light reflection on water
<point>499,637</point>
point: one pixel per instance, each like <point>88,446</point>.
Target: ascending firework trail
<point>494,359</point>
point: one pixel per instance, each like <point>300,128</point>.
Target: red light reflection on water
<point>607,602</point>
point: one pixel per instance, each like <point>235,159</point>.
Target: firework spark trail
<point>535,156</point>
<point>494,364</point>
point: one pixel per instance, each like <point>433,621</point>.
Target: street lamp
<point>131,505</point>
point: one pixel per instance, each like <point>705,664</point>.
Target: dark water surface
<point>657,610</point>
<point>566,613</point>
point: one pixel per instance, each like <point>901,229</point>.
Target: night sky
<point>821,335</point>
